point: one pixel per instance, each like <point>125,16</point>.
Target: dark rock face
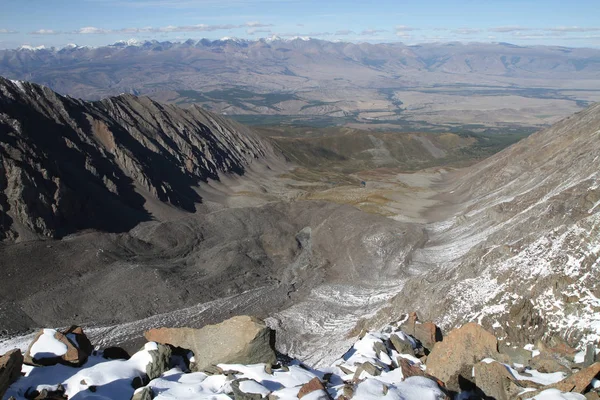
<point>68,165</point>
<point>10,369</point>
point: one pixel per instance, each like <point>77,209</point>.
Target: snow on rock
<point>108,379</point>
<point>47,346</point>
<point>100,378</point>
<point>555,394</point>
<point>253,387</point>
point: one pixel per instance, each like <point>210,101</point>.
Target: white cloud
<point>466,31</point>
<point>404,28</point>
<point>344,32</point>
<point>45,32</point>
<point>403,31</point>
<point>505,29</point>
<point>253,31</point>
<point>90,30</point>
<point>6,31</point>
<point>372,32</point>
<point>573,29</point>
<point>256,24</point>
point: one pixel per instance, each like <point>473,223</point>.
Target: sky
<point>573,23</point>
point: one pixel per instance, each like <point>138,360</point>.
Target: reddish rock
<point>576,383</point>
<point>409,369</point>
<point>311,386</point>
<point>426,332</point>
<point>454,358</point>
<point>10,369</point>
<point>77,344</point>
<point>579,381</point>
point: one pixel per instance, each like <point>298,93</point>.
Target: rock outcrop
<point>10,369</point>
<point>242,340</point>
<point>67,165</point>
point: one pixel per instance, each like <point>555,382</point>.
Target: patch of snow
<point>254,388</point>
<point>31,48</point>
<point>47,346</point>
<point>555,394</point>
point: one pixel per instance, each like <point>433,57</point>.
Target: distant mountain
<point>68,164</point>
<point>365,83</point>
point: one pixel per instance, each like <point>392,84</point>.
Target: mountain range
<point>434,86</point>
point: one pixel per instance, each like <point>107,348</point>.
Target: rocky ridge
<point>68,164</point>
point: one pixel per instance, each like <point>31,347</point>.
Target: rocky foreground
<point>236,359</point>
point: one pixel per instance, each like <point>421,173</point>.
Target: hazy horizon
<point>102,22</point>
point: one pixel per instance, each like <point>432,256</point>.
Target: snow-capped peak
<point>129,42</point>
<point>231,39</point>
<point>32,48</point>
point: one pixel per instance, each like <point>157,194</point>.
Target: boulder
<point>556,345</point>
<point>248,389</point>
<point>516,354</point>
<point>494,380</point>
<point>452,360</point>
<point>402,346</point>
<point>427,333</point>
<point>239,340</point>
<point>592,396</point>
<point>311,386</point>
<point>50,347</point>
<point>10,369</point>
<point>579,381</point>
<point>161,359</point>
<point>576,383</point>
<point>550,362</point>
<point>145,393</point>
<point>410,369</point>
<point>368,368</point>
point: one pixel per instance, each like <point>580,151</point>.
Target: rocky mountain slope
<point>130,188</point>
<point>479,84</point>
<point>522,248</point>
<point>69,164</point>
<point>511,242</point>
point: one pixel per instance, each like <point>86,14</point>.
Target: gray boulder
<point>242,339</point>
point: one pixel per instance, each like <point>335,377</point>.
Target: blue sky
<point>574,23</point>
